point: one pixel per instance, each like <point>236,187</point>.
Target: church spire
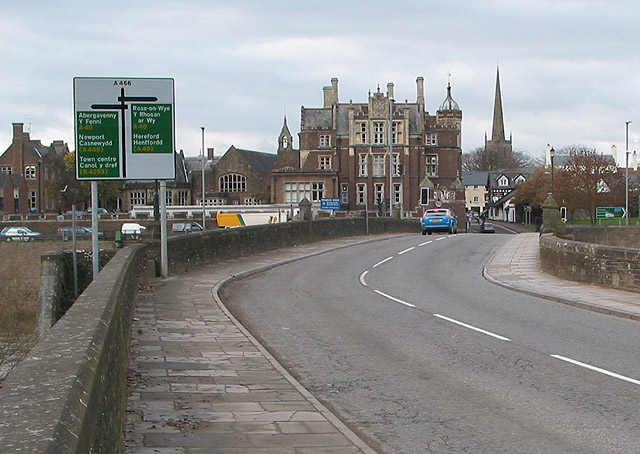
<point>497,134</point>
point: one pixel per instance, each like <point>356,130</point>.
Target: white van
<point>132,228</point>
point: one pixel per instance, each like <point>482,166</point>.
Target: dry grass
<point>19,291</point>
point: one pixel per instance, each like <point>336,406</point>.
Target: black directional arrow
<point>122,106</point>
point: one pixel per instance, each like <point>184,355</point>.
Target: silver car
<point>19,234</point>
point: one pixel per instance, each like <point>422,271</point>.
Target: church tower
<point>498,145</point>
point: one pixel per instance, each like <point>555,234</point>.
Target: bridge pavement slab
<point>516,265</point>
<point>200,383</point>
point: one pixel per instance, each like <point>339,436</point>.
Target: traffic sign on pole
<point>124,128</point>
<point>610,213</point>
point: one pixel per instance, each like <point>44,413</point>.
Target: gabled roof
<point>511,176</point>
<point>259,161</point>
<point>504,198</point>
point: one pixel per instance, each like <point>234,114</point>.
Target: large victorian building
<point>345,151</point>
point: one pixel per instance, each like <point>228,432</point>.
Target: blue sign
<point>330,204</point>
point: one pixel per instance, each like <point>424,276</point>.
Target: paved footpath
<point>200,383</point>
<point>516,265</point>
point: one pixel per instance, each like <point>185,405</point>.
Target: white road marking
<point>426,242</point>
<point>381,262</point>
<point>393,299</point>
<point>442,238</point>
<point>406,250</point>
<point>362,276</point>
<point>488,333</point>
<point>597,369</point>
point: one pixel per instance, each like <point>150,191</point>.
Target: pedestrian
<point>537,217</point>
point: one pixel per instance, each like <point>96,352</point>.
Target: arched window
<point>233,182</point>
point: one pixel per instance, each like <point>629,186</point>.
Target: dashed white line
<point>597,369</point>
<point>393,299</point>
<point>381,262</point>
<point>488,333</point>
<point>442,238</point>
<point>407,250</point>
<point>426,242</point>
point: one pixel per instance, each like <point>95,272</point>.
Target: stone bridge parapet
<point>69,394</point>
<point>607,256</point>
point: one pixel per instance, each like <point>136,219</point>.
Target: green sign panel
<point>98,146</point>
<point>610,213</point>
<point>151,128</point>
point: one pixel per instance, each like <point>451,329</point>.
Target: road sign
<point>610,213</point>
<point>330,204</point>
<point>424,196</point>
<point>124,128</point>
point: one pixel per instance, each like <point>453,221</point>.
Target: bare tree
<point>480,159</point>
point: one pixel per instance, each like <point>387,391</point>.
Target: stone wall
<point>57,286</point>
<point>214,245</point>
<point>579,258</point>
<point>611,235</point>
<point>69,394</point>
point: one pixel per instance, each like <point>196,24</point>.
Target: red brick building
<point>26,167</point>
<point>345,148</point>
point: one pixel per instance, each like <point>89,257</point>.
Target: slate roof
<point>316,118</point>
<point>259,161</point>
<point>478,178</point>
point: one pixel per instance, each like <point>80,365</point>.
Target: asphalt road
<point>414,350</point>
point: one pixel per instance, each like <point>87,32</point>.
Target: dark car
<point>81,232</point>
<point>487,227</point>
<point>438,220</point>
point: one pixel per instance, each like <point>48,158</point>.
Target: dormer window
<point>503,181</point>
<point>519,179</point>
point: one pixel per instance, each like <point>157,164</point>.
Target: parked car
<point>81,232</point>
<point>100,210</point>
<point>487,227</point>
<point>132,228</point>
<point>438,220</point>
<point>19,234</point>
<point>186,227</point>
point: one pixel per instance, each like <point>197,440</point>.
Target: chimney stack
<point>210,154</point>
<point>390,90</point>
<point>420,87</point>
<point>331,94</point>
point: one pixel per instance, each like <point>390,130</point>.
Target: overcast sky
<point>569,70</point>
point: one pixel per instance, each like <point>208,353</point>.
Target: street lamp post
<point>552,153</point>
<point>204,163</point>
<point>626,173</point>
<point>390,156</point>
